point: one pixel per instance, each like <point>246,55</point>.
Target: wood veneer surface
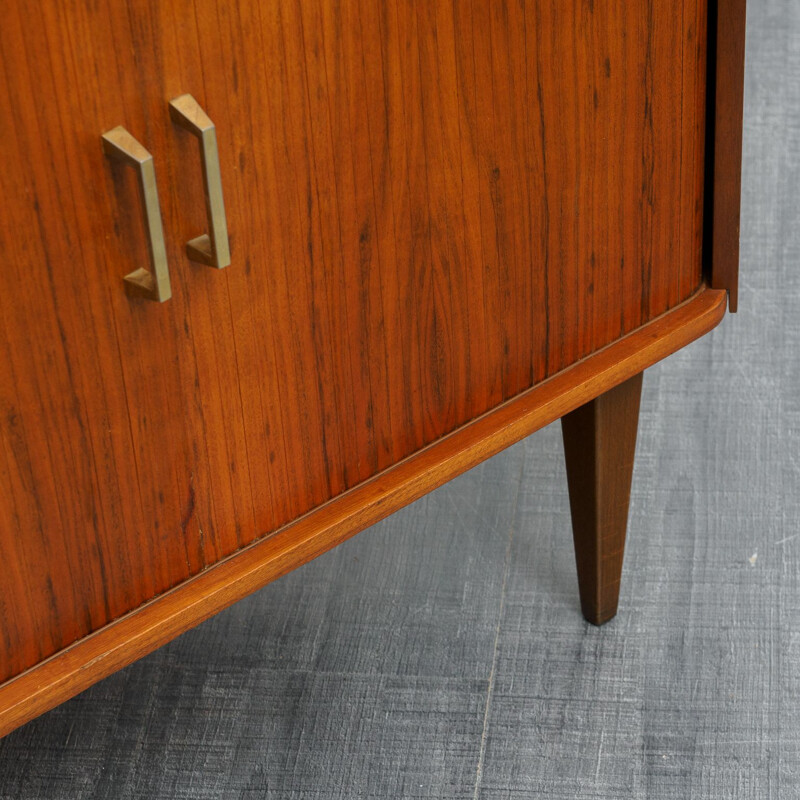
<point>432,207</point>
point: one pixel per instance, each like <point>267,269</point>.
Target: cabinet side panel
<point>726,108</point>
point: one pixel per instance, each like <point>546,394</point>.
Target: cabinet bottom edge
<point>143,630</point>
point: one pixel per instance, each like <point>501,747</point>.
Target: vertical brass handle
<point>119,145</point>
<point>211,248</point>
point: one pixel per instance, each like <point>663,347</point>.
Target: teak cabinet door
<point>100,420</point>
<point>432,206</point>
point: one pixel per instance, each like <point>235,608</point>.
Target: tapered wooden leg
<point>599,445</point>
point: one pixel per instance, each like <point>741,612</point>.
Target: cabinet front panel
<point>432,206</point>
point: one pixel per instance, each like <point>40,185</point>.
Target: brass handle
<point>119,145</point>
<point>211,248</point>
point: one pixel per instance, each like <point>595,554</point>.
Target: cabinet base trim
<point>143,630</point>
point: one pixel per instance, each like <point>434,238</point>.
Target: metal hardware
<point>211,248</point>
<point>119,145</point>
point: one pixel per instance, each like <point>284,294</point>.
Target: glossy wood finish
<point>97,389</point>
<point>599,448</point>
<point>432,207</point>
<point>142,631</point>
<point>726,108</point>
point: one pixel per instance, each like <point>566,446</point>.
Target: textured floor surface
<point>442,654</point>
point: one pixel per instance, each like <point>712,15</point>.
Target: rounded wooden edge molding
<point>143,630</point>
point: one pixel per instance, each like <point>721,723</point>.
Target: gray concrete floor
<point>442,654</point>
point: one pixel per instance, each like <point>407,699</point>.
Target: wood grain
<point>599,447</point>
<point>133,636</point>
<point>93,385</point>
<point>432,207</point>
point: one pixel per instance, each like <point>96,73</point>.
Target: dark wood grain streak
<point>432,206</point>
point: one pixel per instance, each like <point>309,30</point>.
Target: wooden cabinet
<point>449,223</point>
